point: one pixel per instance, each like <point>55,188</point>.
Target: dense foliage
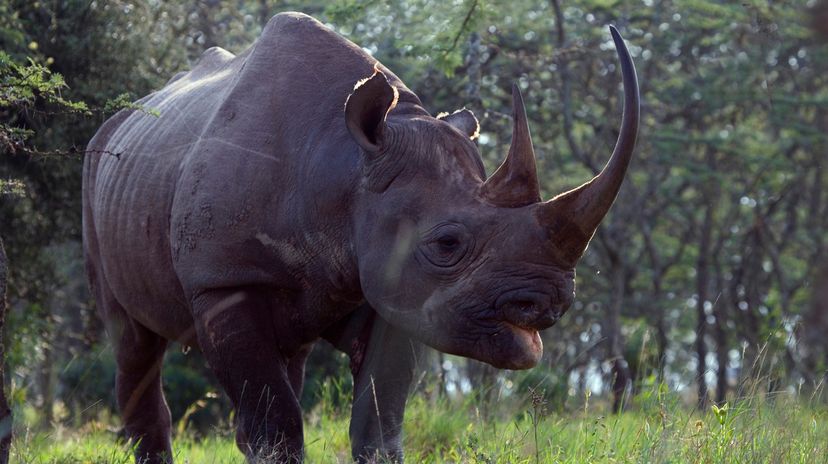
<point>710,268</point>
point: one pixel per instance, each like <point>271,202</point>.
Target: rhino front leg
<point>383,363</point>
<point>236,333</point>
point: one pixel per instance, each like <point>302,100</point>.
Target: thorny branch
<point>463,27</point>
<point>14,147</point>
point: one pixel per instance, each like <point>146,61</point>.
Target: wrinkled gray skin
<point>260,212</point>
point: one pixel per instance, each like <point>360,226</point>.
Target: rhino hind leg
<point>139,354</point>
<point>237,340</point>
<point>141,398</point>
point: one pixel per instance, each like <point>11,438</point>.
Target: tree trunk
<point>620,370</point>
<point>661,330</point>
<point>483,380</point>
<point>5,412</point>
<point>47,369</point>
<point>441,375</point>
<point>702,284</point>
<point>204,11</point>
<point>720,311</point>
<point>264,13</point>
<point>474,62</point>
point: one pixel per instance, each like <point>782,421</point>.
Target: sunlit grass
<point>657,429</point>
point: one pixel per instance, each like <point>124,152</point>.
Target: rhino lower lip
<point>529,337</point>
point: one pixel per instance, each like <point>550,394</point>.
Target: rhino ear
<point>366,108</point>
<point>464,121</point>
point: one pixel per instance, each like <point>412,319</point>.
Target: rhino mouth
<point>499,327</point>
<point>528,337</point>
<point>515,342</point>
<point>513,346</point>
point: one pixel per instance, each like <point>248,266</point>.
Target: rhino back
<point>244,179</point>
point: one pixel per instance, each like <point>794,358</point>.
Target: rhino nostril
<point>559,310</point>
<point>525,305</point>
<point>528,309</point>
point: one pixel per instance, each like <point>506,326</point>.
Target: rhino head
<point>470,265</point>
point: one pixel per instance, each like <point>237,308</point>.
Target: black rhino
<point>274,202</point>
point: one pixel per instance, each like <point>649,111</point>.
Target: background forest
<point>709,273</point>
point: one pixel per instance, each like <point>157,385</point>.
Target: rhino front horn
<point>574,216</point>
<point>515,182</point>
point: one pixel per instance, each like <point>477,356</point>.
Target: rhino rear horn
<point>515,182</point>
<point>366,109</point>
<point>574,216</point>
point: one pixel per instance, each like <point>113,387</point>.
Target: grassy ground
<point>657,429</point>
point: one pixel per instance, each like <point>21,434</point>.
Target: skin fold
<point>299,191</point>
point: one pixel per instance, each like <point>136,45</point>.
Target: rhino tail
<point>5,411</point>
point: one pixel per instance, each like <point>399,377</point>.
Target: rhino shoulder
<point>294,29</point>
<point>213,59</point>
<point>290,20</point>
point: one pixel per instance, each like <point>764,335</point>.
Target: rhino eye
<point>448,243</point>
<point>445,246</point>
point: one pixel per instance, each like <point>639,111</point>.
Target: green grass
<point>657,429</point>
